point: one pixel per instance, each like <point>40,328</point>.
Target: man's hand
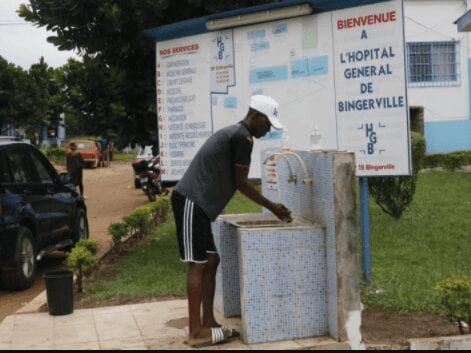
<point>245,187</point>
<point>282,212</point>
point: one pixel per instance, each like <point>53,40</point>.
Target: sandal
<point>218,335</point>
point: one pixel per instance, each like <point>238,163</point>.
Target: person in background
<point>104,143</point>
<point>74,164</point>
<point>218,169</point>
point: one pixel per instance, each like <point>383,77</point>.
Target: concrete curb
<point>444,343</point>
<point>34,305</point>
<point>461,342</point>
<point>387,347</point>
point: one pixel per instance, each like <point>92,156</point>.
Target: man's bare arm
<point>245,187</point>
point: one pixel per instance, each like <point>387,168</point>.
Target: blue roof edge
<point>464,22</point>
<point>198,25</point>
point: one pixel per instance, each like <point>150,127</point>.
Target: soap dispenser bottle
<point>315,139</point>
<point>285,141</point>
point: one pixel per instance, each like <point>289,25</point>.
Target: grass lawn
<point>154,269</point>
<point>123,157</point>
<point>410,256</point>
<point>430,242</point>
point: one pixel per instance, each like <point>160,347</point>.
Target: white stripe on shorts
<point>188,230</point>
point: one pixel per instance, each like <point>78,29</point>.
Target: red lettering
<point>367,20</point>
<point>184,48</point>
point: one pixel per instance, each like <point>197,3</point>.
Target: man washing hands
<point>220,167</point>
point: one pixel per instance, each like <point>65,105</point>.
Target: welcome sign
<point>370,86</point>
<point>343,71</point>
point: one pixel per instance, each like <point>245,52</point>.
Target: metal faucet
<point>292,178</point>
<point>307,178</point>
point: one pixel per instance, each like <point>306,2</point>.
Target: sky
<point>22,44</point>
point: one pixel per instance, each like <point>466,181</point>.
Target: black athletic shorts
<point>195,238</point>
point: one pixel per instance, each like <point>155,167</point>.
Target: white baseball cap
<point>268,106</point>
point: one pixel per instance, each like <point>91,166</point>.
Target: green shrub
<point>160,209</point>
<point>89,244</point>
<point>450,161</point>
<point>55,154</point>
<point>456,298</point>
<point>395,194</point>
<point>139,221</point>
<point>118,232</point>
<point>81,261</point>
<point>163,203</point>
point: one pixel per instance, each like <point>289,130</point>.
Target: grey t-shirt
<point>210,179</point>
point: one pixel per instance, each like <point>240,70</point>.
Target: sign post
<point>365,229</point>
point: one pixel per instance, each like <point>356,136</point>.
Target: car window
<point>21,167</point>
<point>84,145</point>
<point>42,168</point>
<point>5,176</point>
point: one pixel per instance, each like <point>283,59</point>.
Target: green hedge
<point>455,294</point>
<point>139,222</point>
<point>449,161</point>
<point>55,154</point>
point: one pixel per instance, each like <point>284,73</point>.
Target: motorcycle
<point>148,174</point>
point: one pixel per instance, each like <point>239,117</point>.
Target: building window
<point>433,64</point>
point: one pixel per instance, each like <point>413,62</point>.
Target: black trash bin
<point>60,292</point>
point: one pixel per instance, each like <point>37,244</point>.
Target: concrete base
<point>461,342</point>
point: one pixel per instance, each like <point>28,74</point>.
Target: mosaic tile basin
<point>272,274</point>
<point>261,220</point>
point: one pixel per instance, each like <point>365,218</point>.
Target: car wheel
<point>94,164</point>
<point>19,271</point>
<point>80,230</point>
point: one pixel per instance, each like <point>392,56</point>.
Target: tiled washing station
<point>299,279</point>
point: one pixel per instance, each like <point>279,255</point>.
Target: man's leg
<point>209,286</point>
<point>195,283</point>
<point>184,218</point>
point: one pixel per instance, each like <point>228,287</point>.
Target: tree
<point>28,98</point>
<point>43,97</point>
<point>110,32</point>
<point>13,81</point>
<point>92,96</point>
<point>394,194</point>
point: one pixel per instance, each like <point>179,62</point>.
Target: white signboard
<point>342,71</point>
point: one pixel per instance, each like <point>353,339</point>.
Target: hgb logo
<point>220,45</point>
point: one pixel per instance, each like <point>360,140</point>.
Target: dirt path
<point>110,195</point>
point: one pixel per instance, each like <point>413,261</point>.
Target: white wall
<point>432,20</point>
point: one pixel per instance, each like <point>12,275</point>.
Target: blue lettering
<point>368,128</point>
<point>371,103</point>
<point>371,148</point>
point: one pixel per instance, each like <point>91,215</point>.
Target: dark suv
<point>40,212</point>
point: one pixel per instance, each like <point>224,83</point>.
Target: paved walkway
<point>148,326</point>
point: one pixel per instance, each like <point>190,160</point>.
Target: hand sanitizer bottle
<point>285,141</point>
<point>315,139</point>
